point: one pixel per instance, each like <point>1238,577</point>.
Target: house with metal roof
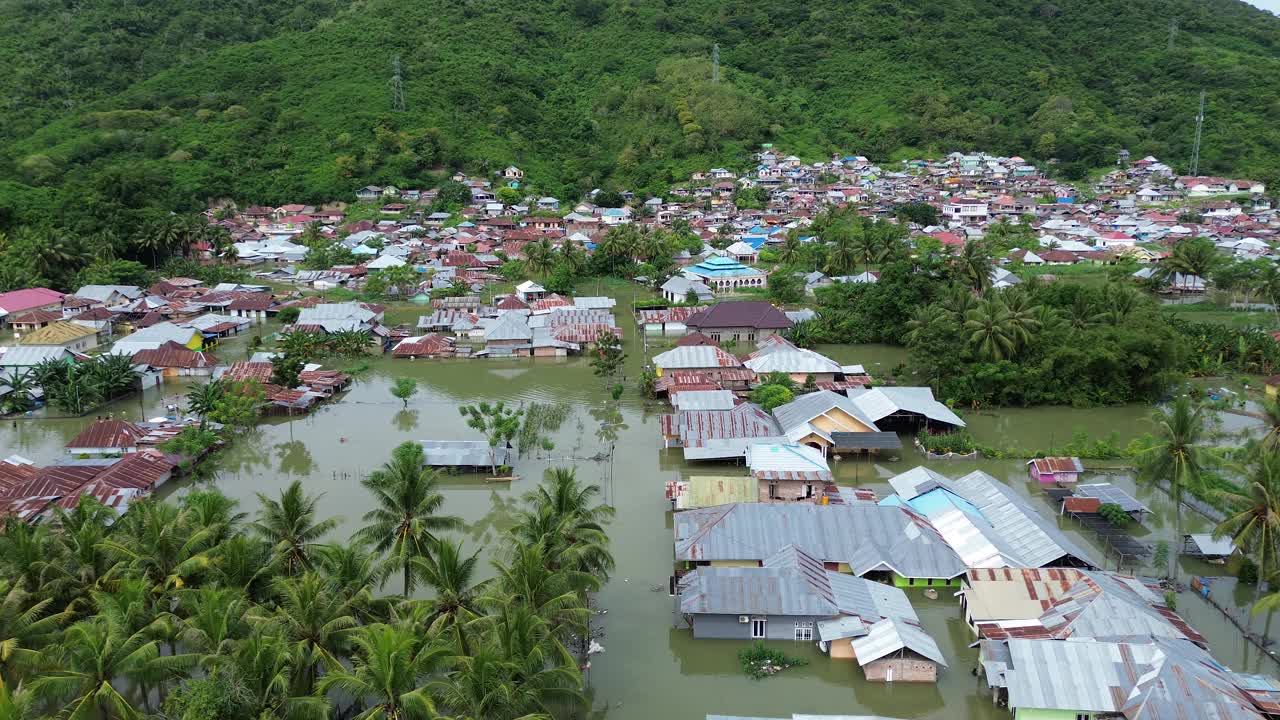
<point>903,406</point>
<point>746,321</point>
<point>65,334</point>
<point>811,418</point>
<point>792,596</point>
<point>787,472</point>
<point>159,335</point>
<point>473,455</point>
<point>866,540</point>
<point>1157,680</point>
<point>695,357</point>
<point>777,354</point>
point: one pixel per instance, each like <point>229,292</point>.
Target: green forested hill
<point>292,100</point>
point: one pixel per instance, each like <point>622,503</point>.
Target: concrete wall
<point>789,490</point>
<point>727,627</point>
<point>906,669</point>
<point>1038,714</point>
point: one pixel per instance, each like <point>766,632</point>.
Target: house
<point>110,295</point>
<point>786,472</point>
<point>879,542</point>
<point>174,360</point>
<point>1135,680</point>
<point>548,204</point>
<point>701,491</point>
<point>718,434</point>
<point>811,418</point>
<point>744,253</point>
<point>987,523</point>
<point>65,334</point>
<point>724,274</point>
<point>702,357</point>
<point>777,354</point>
<point>793,596</point>
<point>529,291</point>
<point>1206,547</point>
<point>106,437</point>
<point>965,210</point>
<point>431,345</point>
<point>509,334</point>
<point>466,455</point>
<point>1089,499</point>
<point>18,359</point>
<point>1055,469</point>
<point>898,406</point>
<point>677,288</point>
<point>748,321</point>
<point>21,301</point>
<point>512,173</point>
<point>369,193</point>
<point>33,320</point>
<point>155,336</point>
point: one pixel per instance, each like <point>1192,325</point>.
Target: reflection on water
<point>650,670</point>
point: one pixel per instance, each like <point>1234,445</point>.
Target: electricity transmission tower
<point>397,86</point>
<point>1195,147</point>
<point>1173,32</point>
<point>715,63</point>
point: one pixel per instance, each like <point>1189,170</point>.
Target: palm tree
<point>1121,302</point>
<point>316,622</point>
<point>1270,408</point>
<point>1023,318</point>
<point>113,374</point>
<point>1253,520</point>
<point>204,398</point>
<point>562,515</point>
<point>923,319</point>
<point>992,333</point>
<point>1083,313</point>
<point>387,674</point>
<point>557,595</point>
<point>1175,456</point>
<point>1194,256</point>
<point>791,249</point>
<point>844,253</point>
<point>264,667</point>
<point>406,502</point>
<point>82,563</point>
<point>21,385</point>
<point>95,664</point>
<point>290,525</point>
<point>56,255</point>
<point>155,540</point>
<point>25,627</point>
<point>354,570</point>
<point>573,256</point>
<point>214,623</point>
<point>243,562</point>
<point>974,264</point>
<point>17,704</point>
<point>26,551</point>
<point>539,257</point>
<point>451,575</point>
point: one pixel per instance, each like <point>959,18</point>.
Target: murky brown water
<point>648,670</point>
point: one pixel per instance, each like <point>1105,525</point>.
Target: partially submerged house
<point>791,595</point>
<point>903,407</point>
<point>786,472</point>
<point>776,354</point>
<point>742,322</point>
<point>873,541</point>
<point>464,455</point>
<point>1057,470</point>
<point>812,418</point>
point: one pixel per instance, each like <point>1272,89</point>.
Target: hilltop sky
<point>1272,5</point>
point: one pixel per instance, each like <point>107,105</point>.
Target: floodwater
<point>648,669</point>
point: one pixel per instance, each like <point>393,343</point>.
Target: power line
<point>1195,147</point>
<point>397,87</point>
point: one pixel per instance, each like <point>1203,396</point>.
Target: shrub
<point>959,442</point>
<point>1248,572</point>
<point>760,662</point>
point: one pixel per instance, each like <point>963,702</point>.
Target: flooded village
<point>898,553</point>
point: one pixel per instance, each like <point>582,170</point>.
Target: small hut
<point>1059,470</point>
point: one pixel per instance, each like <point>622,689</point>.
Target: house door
<point>889,675</point>
<point>757,628</point>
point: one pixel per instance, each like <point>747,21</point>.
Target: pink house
<point>19,301</point>
<point>1055,470</point>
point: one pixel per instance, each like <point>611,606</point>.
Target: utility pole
<point>715,63</point>
<point>397,86</point>
<point>1195,147</point>
<point>1173,32</point>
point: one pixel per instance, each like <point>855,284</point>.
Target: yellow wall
<point>734,563</point>
<point>837,420</point>
<point>196,343</point>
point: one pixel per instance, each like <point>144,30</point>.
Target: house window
<point>808,491</point>
<point>773,491</point>
<point>715,337</point>
<point>1082,716</point>
<point>804,631</point>
<point>757,628</point>
<point>751,337</point>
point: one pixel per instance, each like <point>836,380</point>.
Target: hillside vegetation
<point>115,114</point>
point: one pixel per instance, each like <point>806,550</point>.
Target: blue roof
<point>938,500</point>
<point>717,266</point>
<point>755,241</point>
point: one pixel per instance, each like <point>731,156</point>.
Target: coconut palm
<point>56,254</point>
<point>113,375</point>
<point>923,319</point>
<point>555,595</point>
<point>214,622</point>
<point>156,540</point>
<point>1253,519</point>
<point>25,627</point>
<point>349,343</point>
<point>791,250</point>
<point>843,257</point>
<point>388,671</point>
<point>992,333</point>
<point>539,257</point>
<point>1270,408</point>
<point>1082,313</point>
<point>561,513</point>
<point>974,265</point>
<point>290,525</point>
<point>1176,457</point>
<point>242,562</point>
<point>202,399</point>
<point>210,508</point>
<point>16,704</point>
<point>573,256</point>
<point>316,622</point>
<point>1121,302</point>
<point>82,563</point>
<point>95,666</point>
<point>1194,256</point>
<point>452,577</point>
<point>264,667</point>
<point>26,551</point>
<point>21,385</point>
<point>1023,320</point>
<point>405,517</point>
<point>354,571</point>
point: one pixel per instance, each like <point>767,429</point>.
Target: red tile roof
<point>260,371</point>
<point>40,317</point>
